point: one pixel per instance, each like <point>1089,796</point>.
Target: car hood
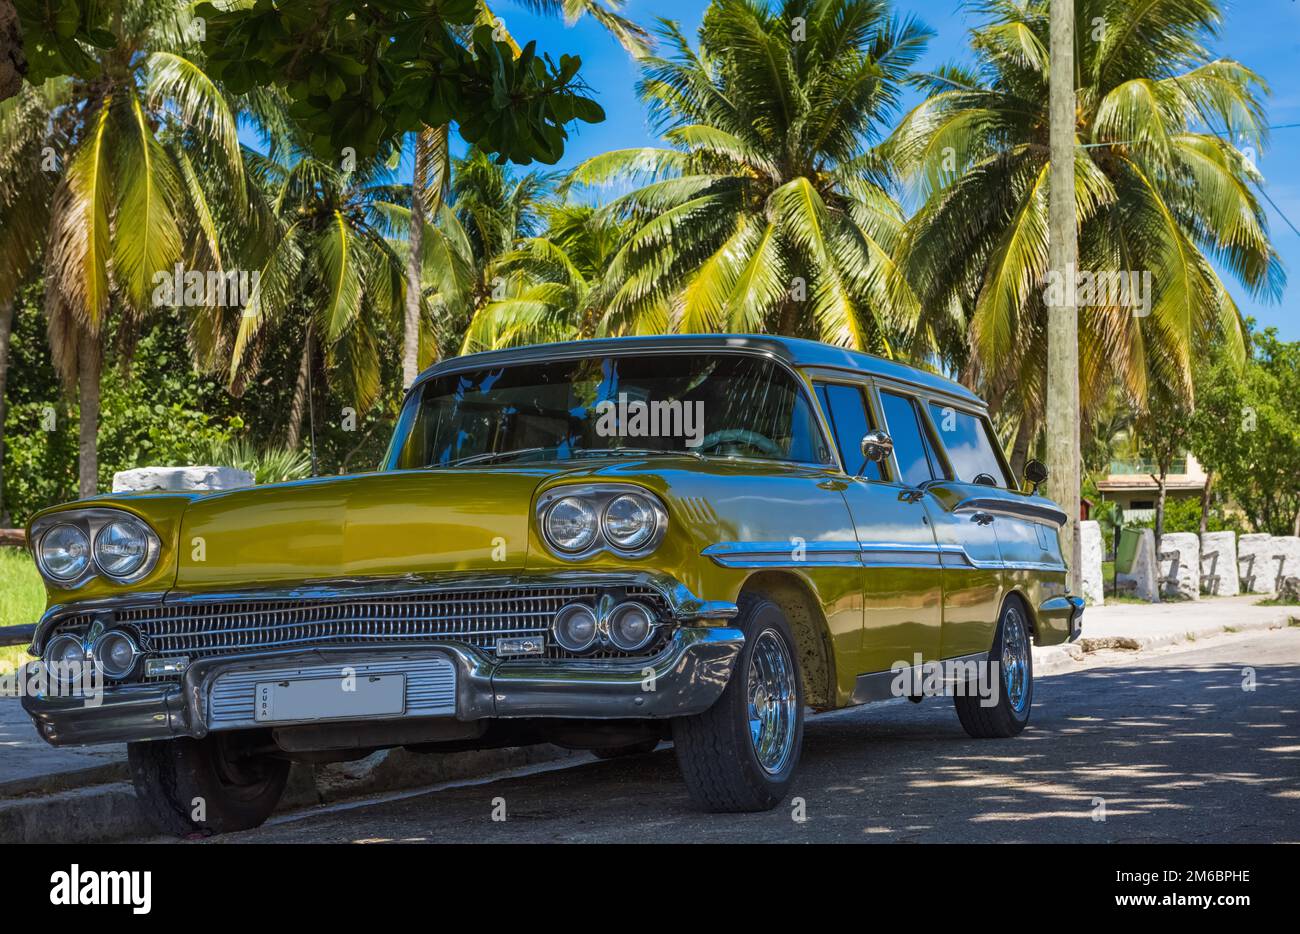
<point>370,525</point>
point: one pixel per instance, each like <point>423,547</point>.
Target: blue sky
<point>1262,34</point>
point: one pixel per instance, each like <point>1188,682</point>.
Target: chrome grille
<point>430,688</point>
<point>197,629</point>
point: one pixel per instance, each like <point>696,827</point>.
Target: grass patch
<point>22,600</point>
<point>1276,601</point>
<point>1231,629</point>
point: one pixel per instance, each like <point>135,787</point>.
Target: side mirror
<point>1035,474</point>
<point>876,446</point>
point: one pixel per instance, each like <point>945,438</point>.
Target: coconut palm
<point>552,281</point>
<point>432,158</point>
<point>488,211</point>
<point>1152,192</point>
<point>769,211</point>
<point>114,197</point>
<point>325,270</point>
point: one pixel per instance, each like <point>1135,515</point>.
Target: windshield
<point>703,404</point>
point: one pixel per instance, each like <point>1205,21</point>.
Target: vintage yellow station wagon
<point>602,544</point>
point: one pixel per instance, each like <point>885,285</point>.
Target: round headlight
<point>66,656</point>
<point>574,627</point>
<point>115,653</point>
<point>631,626</point>
<point>64,552</point>
<point>630,521</point>
<point>571,524</point>
<point>121,547</point>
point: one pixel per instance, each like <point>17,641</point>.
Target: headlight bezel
<point>598,496</point>
<point>90,522</point>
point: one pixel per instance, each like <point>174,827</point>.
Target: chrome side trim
<point>851,554</point>
<point>877,686</point>
<point>1035,511</point>
<point>785,554</point>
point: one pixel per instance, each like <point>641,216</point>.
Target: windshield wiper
<point>637,452</point>
<point>490,456</point>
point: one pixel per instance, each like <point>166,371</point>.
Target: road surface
<point>1167,745</point>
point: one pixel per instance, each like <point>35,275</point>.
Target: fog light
<point>65,657</point>
<point>631,626</point>
<point>115,653</point>
<point>575,627</point>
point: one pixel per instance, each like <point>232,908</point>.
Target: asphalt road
<point>1168,741</point>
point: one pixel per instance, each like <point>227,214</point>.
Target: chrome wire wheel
<point>1015,660</point>
<point>773,701</point>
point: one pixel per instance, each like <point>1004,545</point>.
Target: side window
<point>970,445</point>
<point>846,410</point>
<point>917,459</point>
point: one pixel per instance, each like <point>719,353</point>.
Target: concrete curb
<point>1055,658</point>
<point>53,812</point>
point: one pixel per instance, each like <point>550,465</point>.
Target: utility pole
<point>1063,319</point>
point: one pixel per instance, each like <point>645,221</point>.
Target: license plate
<point>331,698</point>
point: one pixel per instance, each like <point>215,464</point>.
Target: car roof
<point>794,351</point>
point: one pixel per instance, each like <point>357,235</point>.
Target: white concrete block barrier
<point>1256,566</point>
<point>1180,566</point>
<point>1091,549</point>
<point>172,479</point>
<point>1219,577</point>
<point>1136,572</point>
<point>1284,561</point>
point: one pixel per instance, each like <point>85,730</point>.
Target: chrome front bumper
<point>686,678</point>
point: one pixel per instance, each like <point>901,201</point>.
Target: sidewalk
<point>84,794</point>
<point>1137,626</point>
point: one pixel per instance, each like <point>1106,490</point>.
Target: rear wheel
<point>208,785</point>
<point>1011,675</point>
<point>741,753</point>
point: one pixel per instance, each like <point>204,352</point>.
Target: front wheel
<point>1011,677</point>
<point>213,785</point>
<point>741,753</point>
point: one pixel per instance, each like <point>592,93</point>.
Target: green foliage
<point>1247,431</point>
<point>56,32</point>
<point>156,413</point>
<point>268,465</point>
<point>361,73</point>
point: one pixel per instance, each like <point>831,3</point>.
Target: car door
<point>1026,526</point>
<point>901,578</point>
<point>966,537</point>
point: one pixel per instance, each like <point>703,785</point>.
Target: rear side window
<point>846,411</point>
<point>917,459</point>
<point>969,443</point>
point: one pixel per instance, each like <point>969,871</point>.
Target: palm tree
<point>325,269</point>
<point>1152,194</point>
<point>114,197</point>
<point>432,156</point>
<point>552,280</point>
<point>487,212</point>
<point>769,212</point>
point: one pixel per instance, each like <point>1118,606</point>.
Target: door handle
<point>983,518</point>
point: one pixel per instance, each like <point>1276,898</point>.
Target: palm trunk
<point>415,269</point>
<point>1020,448</point>
<point>89,363</point>
<point>6,329</point>
<point>1062,415</point>
<point>299,402</point>
<point>1205,501</point>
